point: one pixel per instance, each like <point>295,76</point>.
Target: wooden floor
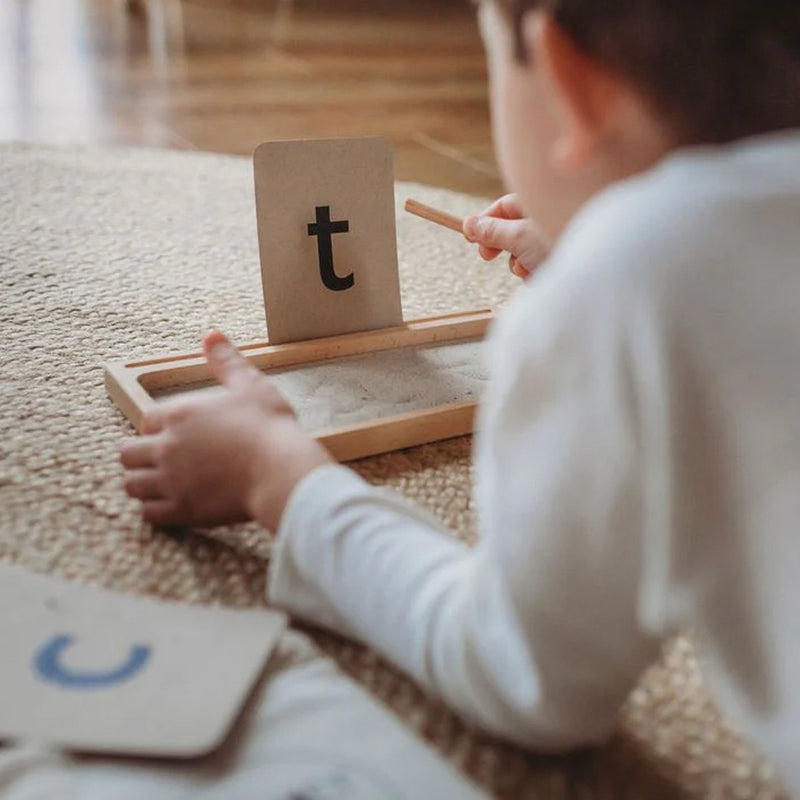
<point>224,75</point>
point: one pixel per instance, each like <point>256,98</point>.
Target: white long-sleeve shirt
<point>638,471</point>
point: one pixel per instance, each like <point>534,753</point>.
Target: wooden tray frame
<point>129,383</point>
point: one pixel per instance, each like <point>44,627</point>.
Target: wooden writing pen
<point>456,224</point>
<point>434,215</point>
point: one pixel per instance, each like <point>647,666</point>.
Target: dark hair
<point>716,70</point>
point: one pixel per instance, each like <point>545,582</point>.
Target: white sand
<point>374,385</point>
<point>365,387</point>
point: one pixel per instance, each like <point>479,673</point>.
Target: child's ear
<point>585,92</point>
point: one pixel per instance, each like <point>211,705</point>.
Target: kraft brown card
<point>90,670</point>
<point>327,237</point>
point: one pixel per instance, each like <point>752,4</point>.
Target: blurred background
<point>224,75</point>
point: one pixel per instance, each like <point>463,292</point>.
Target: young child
<point>638,453</point>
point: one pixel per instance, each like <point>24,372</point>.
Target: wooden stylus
<point>455,224</point>
<point>434,215</point>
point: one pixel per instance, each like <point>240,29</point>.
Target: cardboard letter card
<point>327,238</point>
<point>91,670</point>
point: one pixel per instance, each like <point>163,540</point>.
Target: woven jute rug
<point>111,255</point>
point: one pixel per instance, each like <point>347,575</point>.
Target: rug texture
<point>114,254</point>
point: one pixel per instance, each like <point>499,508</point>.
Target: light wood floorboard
<point>224,75</point>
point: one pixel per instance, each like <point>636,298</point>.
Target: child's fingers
<point>505,207</point>
<point>153,422</point>
<point>143,484</point>
<point>226,362</point>
<point>163,513</point>
<point>517,268</point>
<point>488,253</point>
<point>232,369</point>
<point>498,234</point>
<point>138,453</point>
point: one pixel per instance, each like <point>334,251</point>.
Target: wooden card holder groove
<point>130,383</point>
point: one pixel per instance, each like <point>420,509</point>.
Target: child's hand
<point>223,455</point>
<point>503,226</point>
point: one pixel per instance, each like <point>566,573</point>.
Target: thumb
<point>500,234</point>
<point>227,364</point>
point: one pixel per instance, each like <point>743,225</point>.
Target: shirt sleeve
<point>365,564</point>
<point>535,634</point>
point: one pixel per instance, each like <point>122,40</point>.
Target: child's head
<point>585,92</point>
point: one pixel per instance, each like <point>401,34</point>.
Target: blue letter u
<point>48,665</point>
